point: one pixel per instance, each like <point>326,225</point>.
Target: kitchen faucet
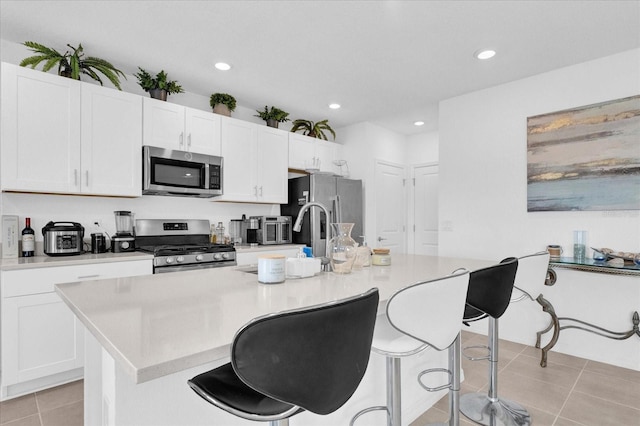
<point>297,227</point>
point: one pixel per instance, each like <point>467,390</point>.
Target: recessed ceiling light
<point>418,123</point>
<point>222,66</point>
<point>485,54</point>
<point>334,106</point>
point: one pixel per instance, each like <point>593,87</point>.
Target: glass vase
<point>342,248</point>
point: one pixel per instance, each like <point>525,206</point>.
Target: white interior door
<point>425,211</point>
<point>390,207</point>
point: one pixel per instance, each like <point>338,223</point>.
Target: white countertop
<point>81,259</point>
<point>156,325</point>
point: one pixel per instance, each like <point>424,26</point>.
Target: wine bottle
<point>28,239</point>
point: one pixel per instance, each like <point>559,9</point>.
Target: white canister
<point>271,268</point>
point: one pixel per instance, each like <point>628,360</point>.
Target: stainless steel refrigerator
<point>342,197</point>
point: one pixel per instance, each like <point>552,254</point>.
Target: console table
<point>562,323</point>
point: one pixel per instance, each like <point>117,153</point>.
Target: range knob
<point>199,257</point>
<point>217,256</point>
<point>180,259</point>
<point>225,255</point>
<point>169,260</point>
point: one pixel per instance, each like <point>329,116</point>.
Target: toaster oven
<point>274,229</point>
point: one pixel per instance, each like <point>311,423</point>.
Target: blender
<point>124,240</point>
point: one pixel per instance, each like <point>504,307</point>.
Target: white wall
<point>423,148</point>
<point>483,195</point>
<point>483,171</point>
<point>363,144</point>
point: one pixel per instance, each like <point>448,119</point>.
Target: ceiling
<point>386,62</point>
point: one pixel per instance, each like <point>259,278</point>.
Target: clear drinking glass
<point>579,245</point>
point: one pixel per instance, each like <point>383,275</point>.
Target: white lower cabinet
<point>42,340</point>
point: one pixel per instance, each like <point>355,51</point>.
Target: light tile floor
<point>570,391</point>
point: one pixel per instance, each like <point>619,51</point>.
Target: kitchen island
<point>147,335</point>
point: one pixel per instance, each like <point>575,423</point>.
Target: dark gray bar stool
<point>282,364</point>
<point>489,296</point>
<point>423,315</point>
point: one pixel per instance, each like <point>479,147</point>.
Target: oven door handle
<point>193,267</point>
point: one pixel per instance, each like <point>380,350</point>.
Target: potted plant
<point>72,65</point>
<point>223,103</point>
<point>314,130</point>
<point>273,116</point>
<point>158,87</point>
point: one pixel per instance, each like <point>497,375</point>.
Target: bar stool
<point>530,281</point>
<point>489,295</point>
<point>426,314</point>
<point>284,363</point>
<point>531,275</point>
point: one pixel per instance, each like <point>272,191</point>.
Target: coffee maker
<point>124,239</point>
<point>249,230</point>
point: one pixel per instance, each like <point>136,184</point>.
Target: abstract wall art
<point>585,158</point>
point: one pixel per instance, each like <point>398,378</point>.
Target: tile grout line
<point>569,394</point>
<point>35,395</point>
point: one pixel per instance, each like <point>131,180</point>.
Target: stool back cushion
<point>430,311</point>
<point>314,358</point>
<point>532,273</point>
<point>490,289</point>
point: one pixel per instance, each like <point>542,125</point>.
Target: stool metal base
<point>479,408</point>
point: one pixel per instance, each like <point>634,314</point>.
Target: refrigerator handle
<point>337,209</point>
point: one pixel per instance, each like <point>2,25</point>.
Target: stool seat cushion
<point>388,341</point>
<point>224,383</point>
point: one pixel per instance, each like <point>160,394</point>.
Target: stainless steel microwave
<point>172,172</point>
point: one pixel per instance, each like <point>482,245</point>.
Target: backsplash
<point>87,210</point>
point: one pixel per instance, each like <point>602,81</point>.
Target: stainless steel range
<point>181,245</point>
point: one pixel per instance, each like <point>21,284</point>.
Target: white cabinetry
<point>61,135</point>
<point>307,153</point>
<point>42,340</point>
<point>255,162</point>
<point>173,126</point>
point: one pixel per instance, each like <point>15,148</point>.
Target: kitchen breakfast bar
<point>147,335</point>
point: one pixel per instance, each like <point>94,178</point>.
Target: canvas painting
<point>585,158</point>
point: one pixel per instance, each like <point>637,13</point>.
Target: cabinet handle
<point>255,191</point>
<point>181,138</point>
<point>189,140</point>
<point>88,276</point>
<point>261,191</point>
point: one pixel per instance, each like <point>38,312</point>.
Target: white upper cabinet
<point>173,126</point>
<point>63,136</point>
<point>255,162</point>
<point>307,153</point>
<point>273,147</point>
<point>40,131</point>
<point>111,160</point>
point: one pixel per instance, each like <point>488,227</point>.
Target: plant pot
<point>160,94</point>
<point>272,123</point>
<point>222,109</point>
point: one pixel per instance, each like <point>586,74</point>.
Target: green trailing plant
<point>224,99</point>
<point>314,130</point>
<point>72,63</point>
<point>273,114</point>
<point>159,82</point>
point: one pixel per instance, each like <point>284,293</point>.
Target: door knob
<point>380,238</point>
